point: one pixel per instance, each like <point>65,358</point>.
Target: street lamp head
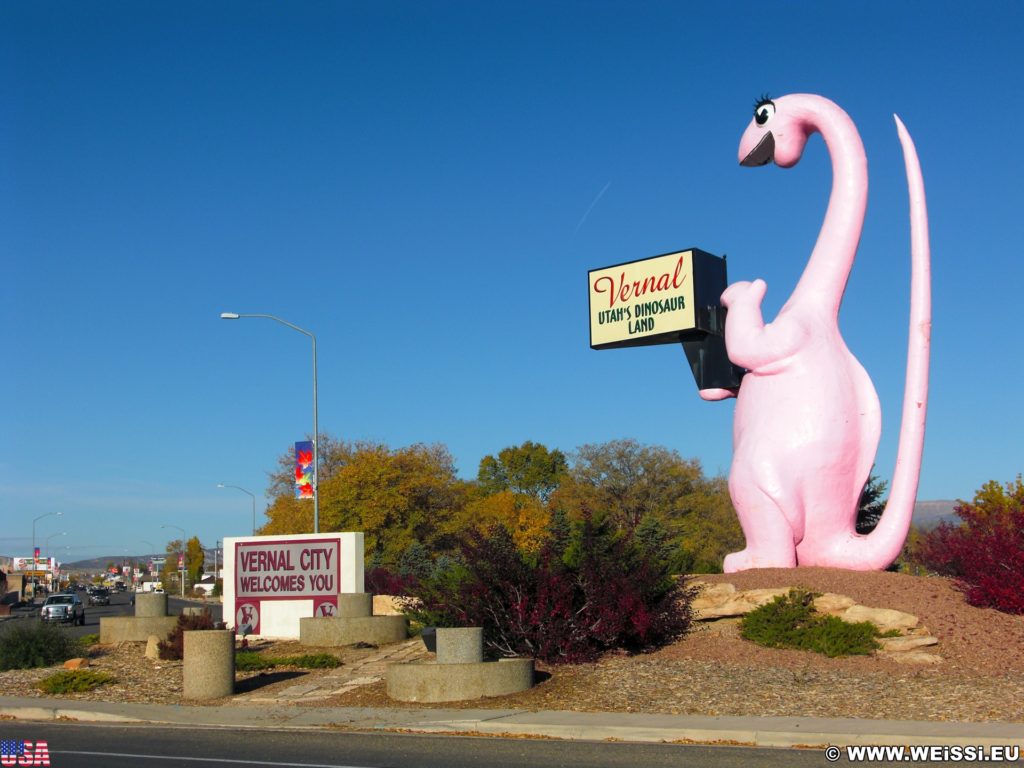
<point>220,485</point>
<point>229,315</point>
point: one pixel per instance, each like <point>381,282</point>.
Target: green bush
<point>251,661</point>
<point>35,644</point>
<point>790,621</point>
<point>92,639</point>
<point>174,646</point>
<point>75,681</point>
<point>310,661</point>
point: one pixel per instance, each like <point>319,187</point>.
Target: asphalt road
<point>120,605</point>
<point>74,745</point>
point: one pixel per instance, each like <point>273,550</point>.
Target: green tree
<point>872,504</point>
<point>529,469</point>
<point>630,482</point>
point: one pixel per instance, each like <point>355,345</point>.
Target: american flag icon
<point>12,748</point>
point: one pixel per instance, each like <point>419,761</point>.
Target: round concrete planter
<point>355,605</point>
<point>131,629</point>
<point>150,604</point>
<point>432,683</point>
<point>460,645</point>
<point>209,666</point>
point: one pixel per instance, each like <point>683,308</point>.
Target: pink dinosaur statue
<point>807,417</point>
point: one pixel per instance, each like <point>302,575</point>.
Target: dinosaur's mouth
<point>762,154</point>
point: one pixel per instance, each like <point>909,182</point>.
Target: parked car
<point>63,608</point>
<point>99,597</point>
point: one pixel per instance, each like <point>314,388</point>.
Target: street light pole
<point>316,431</point>
<point>240,488</point>
<point>34,563</point>
<point>48,514</point>
<point>182,555</point>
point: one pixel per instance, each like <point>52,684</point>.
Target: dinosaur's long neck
<point>824,280</point>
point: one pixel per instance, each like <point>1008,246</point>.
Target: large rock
<point>76,663</point>
<point>832,603</point>
<point>387,605</point>
<point>722,600</point>
<point>153,647</point>
<point>906,643</point>
<point>911,657</point>
<point>883,618</point>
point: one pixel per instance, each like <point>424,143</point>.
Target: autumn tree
<point>524,516</point>
<point>195,559</point>
<point>287,514</point>
<point>333,455</point>
<point>985,552</point>
<point>394,496</point>
<point>169,572</point>
<point>512,489</point>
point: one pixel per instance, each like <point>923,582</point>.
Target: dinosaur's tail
<point>882,546</point>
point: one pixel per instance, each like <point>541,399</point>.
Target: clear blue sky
<point>424,186</point>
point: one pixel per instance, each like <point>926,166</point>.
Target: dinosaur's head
<point>778,132</point>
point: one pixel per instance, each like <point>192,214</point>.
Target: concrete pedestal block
<point>120,629</point>
<point>354,605</point>
<point>150,604</point>
<point>333,631</point>
<point>431,682</point>
<point>209,666</point>
<point>193,610</point>
<point>460,645</point>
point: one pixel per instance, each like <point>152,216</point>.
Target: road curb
<point>60,713</point>
<point>570,726</point>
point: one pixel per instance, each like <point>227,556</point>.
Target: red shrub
<point>381,581</point>
<point>571,603</point>
<point>174,646</point>
<point>985,553</point>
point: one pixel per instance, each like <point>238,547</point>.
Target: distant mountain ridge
<point>100,563</point>
<point>928,514</point>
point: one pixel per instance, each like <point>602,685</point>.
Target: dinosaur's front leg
<point>751,343</point>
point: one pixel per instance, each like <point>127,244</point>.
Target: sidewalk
<point>763,731</point>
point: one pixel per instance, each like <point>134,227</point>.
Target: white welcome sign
<point>270,582</point>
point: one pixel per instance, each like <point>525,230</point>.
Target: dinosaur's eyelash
<point>765,99</point>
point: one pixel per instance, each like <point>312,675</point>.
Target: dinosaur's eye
<point>763,112</point>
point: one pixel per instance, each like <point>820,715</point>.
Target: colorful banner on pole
<point>304,470</point>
